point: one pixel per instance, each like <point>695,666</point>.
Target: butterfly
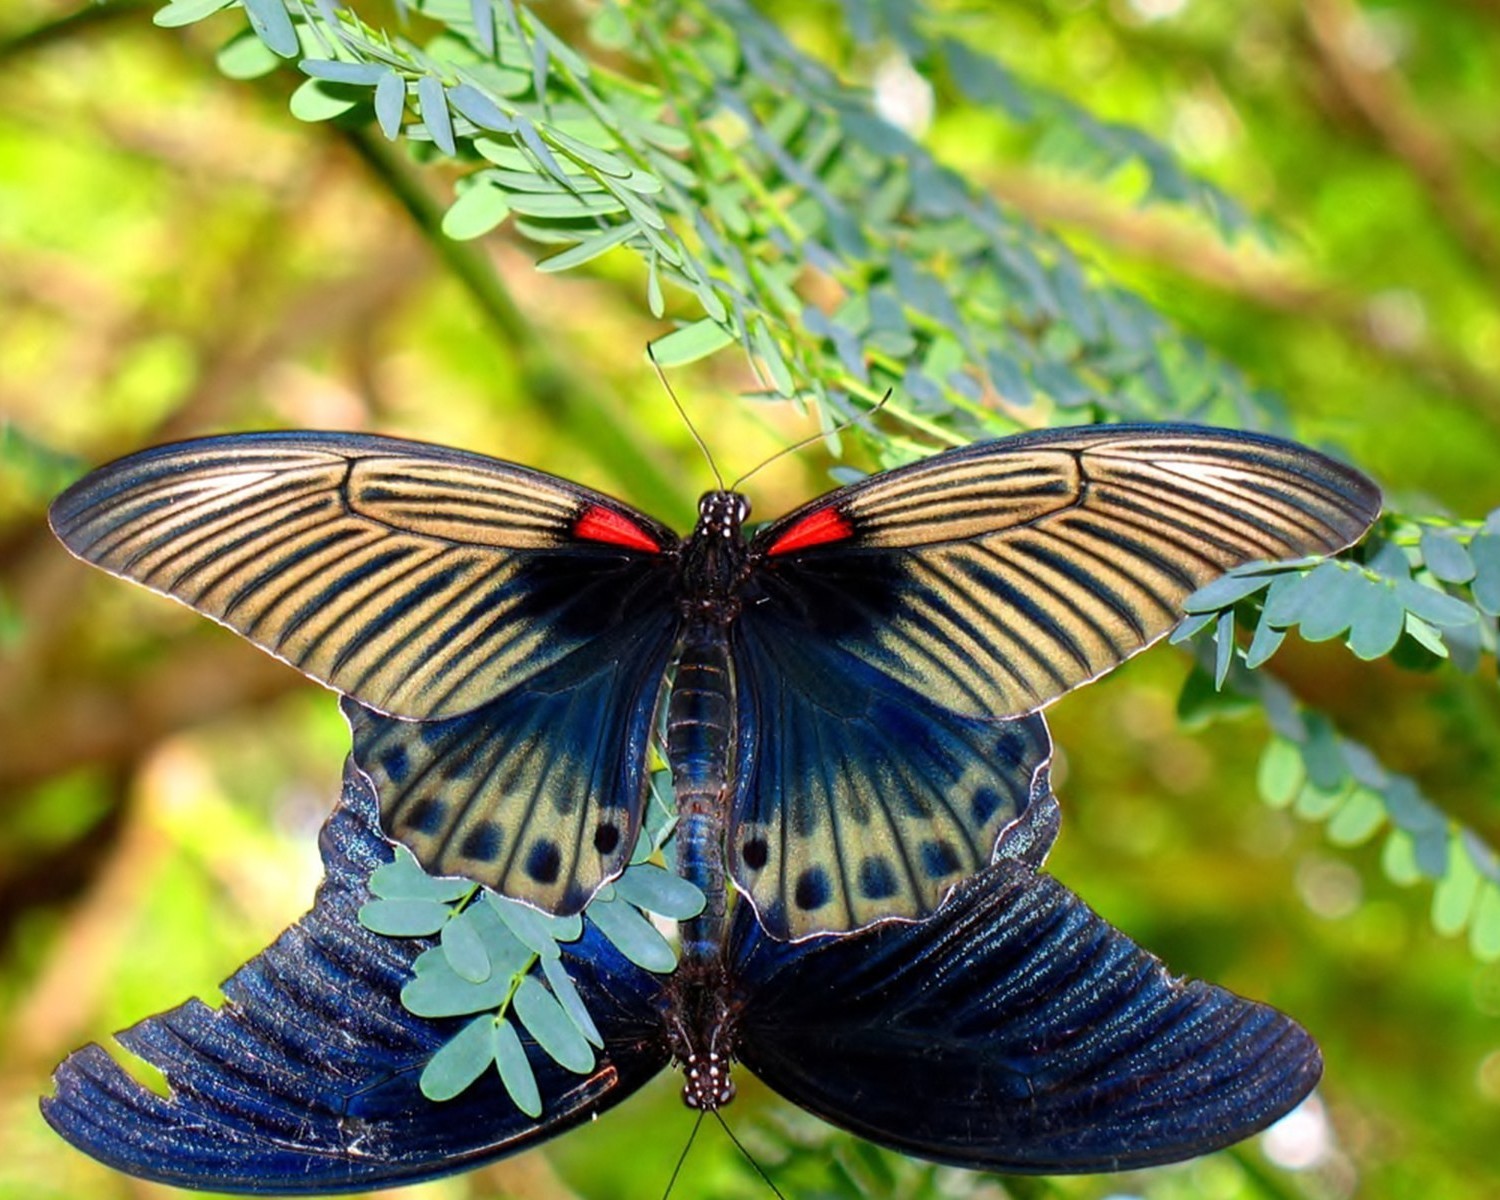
<point>857,685</point>
<point>1013,1030</point>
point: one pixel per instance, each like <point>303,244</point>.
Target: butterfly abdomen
<point>700,740</point>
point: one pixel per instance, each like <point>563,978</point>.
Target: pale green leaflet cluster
<point>1425,592</point>
<point>504,962</point>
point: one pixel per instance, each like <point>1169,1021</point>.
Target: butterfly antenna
<point>682,1158</point>
<point>750,1158</point>
<point>809,440</point>
<point>686,420</point>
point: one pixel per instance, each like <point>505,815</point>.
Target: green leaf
<point>461,1060</point>
<point>480,109</point>
<point>1445,556</point>
<point>477,210</point>
<point>769,353</point>
<point>390,103</point>
<point>1225,591</point>
<point>1289,597</point>
<point>1357,819</point>
<point>648,886</point>
<point>1425,635</point>
<point>1484,550</point>
<point>555,1032</point>
<point>336,71</point>
<point>1484,928</point>
<point>403,918</point>
<point>1281,774</point>
<point>273,25</point>
<point>515,1071</point>
<point>567,995</point>
<point>317,100</point>
<point>532,928</point>
<point>560,206</point>
<point>1315,803</point>
<point>633,936</point>
<point>246,57</point>
<point>1433,605</point>
<point>508,955</point>
<point>1453,898</point>
<point>1376,621</point>
<point>1263,644</point>
<point>1329,611</point>
<point>432,103</point>
<point>690,343</point>
<point>590,248</point>
<point>1398,859</point>
<point>438,991</point>
<point>1322,754</point>
<point>403,879</point>
<point>463,947</point>
<point>1223,647</point>
<point>187,12</point>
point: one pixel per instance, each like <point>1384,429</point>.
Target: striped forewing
<point>996,577</point>
<point>422,581</point>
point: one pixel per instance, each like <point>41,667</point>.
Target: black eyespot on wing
<point>426,815</point>
<point>482,842</point>
<point>755,853</point>
<point>606,837</point>
<point>543,861</point>
<point>984,804</point>
<point>939,859</point>
<point>812,891</point>
<point>877,881</point>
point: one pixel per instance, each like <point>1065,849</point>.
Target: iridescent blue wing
<point>430,585</point>
<point>1014,1030</point>
<point>995,577</point>
<point>306,1079</point>
<point>857,799</point>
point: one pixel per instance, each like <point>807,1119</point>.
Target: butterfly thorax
<point>713,557</point>
<point>700,1029</point>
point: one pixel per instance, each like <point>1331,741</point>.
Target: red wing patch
<point>600,524</point>
<point>825,525</point>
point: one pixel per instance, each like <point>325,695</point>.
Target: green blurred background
<point>178,256</point>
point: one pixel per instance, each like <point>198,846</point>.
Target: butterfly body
<point>856,714</point>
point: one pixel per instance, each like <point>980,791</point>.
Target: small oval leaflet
<point>463,947</point>
<point>567,995</point>
<point>634,936</point>
<point>656,890</point>
<point>534,929</point>
<point>547,1021</point>
<point>439,991</point>
<point>515,1071</point>
<point>404,918</point>
<point>460,1061</point>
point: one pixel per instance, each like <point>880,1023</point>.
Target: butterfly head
<point>713,558</point>
<point>722,515</point>
<point>707,1085</point>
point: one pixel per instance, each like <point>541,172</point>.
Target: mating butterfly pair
<point>852,726</point>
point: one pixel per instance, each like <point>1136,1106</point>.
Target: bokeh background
<point>178,256</point>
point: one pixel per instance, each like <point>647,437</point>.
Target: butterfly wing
<point>434,586</point>
<point>420,580</point>
<point>857,799</point>
<point>998,576</point>
<point>1014,1030</point>
<point>537,794</point>
<point>306,1079</point>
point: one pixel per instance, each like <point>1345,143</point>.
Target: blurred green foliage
<point>1141,192</point>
